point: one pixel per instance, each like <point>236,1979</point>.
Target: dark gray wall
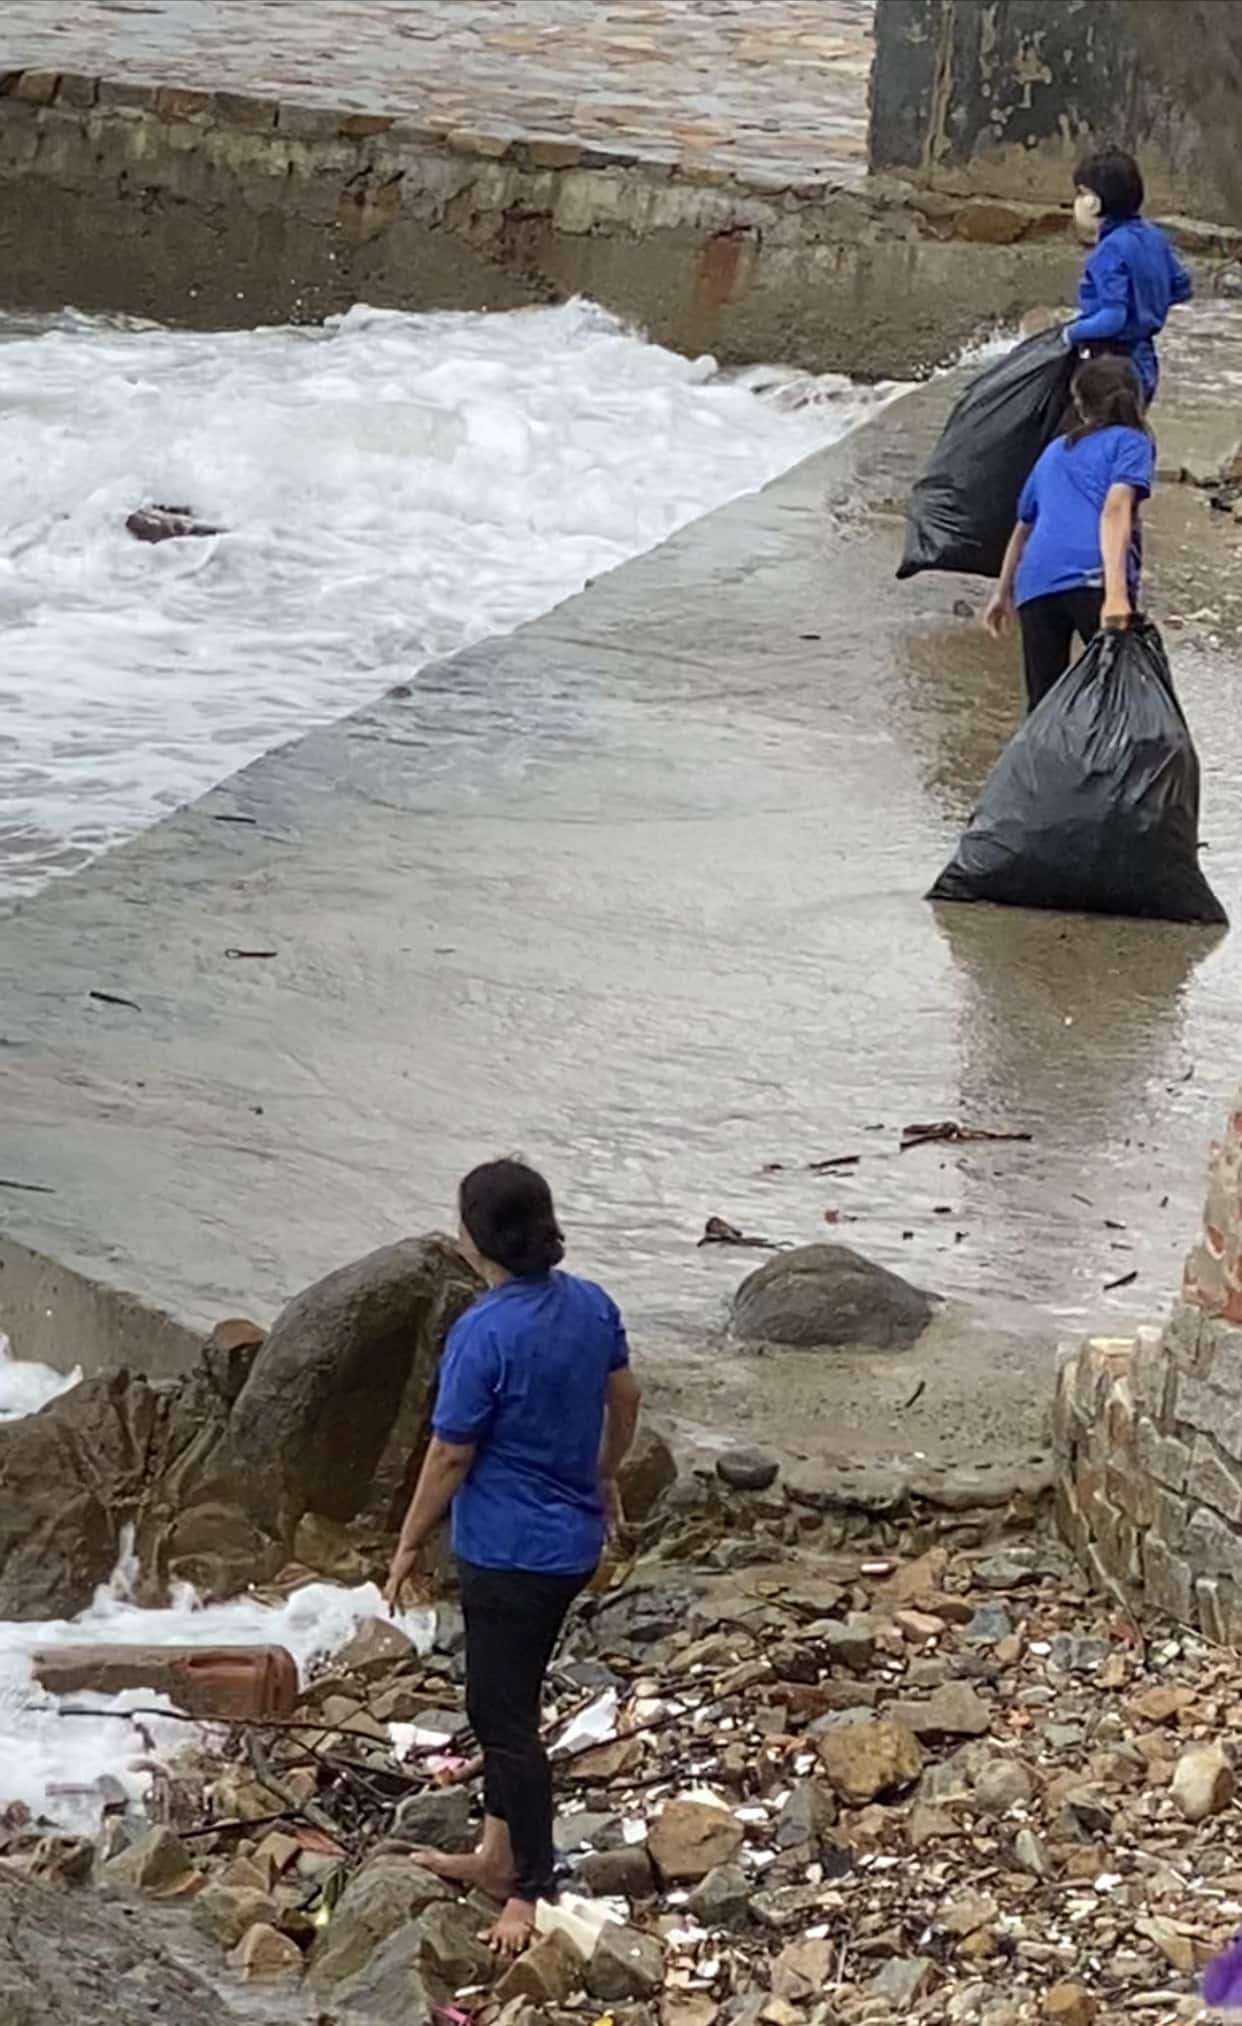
<point>1002,96</point>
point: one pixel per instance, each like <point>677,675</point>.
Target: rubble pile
<point>814,1787</point>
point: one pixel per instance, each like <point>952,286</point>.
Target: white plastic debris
<point>580,1920</point>
<point>594,1725</point>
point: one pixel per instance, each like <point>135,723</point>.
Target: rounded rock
<point>828,1297</point>
<point>747,1469</point>
<point>1203,1783</point>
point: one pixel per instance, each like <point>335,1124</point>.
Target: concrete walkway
<point>778,89</point>
<point>637,891</point>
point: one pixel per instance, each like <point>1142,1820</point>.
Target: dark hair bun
<point>507,1209</point>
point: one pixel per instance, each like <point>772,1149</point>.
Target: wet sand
<point>637,890</point>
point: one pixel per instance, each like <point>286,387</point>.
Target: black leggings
<point>1048,628</point>
<point>513,1619</point>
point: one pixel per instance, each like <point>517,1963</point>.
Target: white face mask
<point>1087,216</point>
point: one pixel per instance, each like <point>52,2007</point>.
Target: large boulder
<point>327,1418</point>
<point>65,1956</point>
<point>336,1412</point>
<point>829,1296</point>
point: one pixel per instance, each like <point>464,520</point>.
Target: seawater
<point>390,488</point>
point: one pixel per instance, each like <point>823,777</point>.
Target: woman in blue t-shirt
<point>535,1410</point>
<point>1072,564</point>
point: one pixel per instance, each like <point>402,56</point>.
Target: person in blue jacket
<point>1132,278</point>
<point>1072,564</point>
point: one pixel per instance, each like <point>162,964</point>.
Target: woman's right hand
<point>403,1576</point>
<point>614,1510</point>
<point>998,613</point>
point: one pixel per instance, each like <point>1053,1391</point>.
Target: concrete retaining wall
<point>1149,1436</point>
<point>1002,97</point>
<point>218,208</point>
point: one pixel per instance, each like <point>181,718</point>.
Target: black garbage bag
<point>963,508</point>
<point>1093,807</point>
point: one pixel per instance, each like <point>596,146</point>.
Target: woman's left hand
<point>1115,618</point>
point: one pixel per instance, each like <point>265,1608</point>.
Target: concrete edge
<point>59,1317</point>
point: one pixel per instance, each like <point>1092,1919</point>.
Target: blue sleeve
<point>1134,461</point>
<point>469,1382</point>
<point>1181,287</point>
<point>619,1355</point>
<point>1028,500</point>
<point>1105,282</point>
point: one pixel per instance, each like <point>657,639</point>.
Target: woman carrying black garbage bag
<point>1073,560</point>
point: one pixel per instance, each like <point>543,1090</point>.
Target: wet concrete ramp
<point>637,891</point>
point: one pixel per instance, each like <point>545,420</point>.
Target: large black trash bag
<point>963,508</point>
<point>1093,807</point>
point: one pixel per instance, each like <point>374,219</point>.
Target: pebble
<point>989,1624</point>
<point>1203,1782</point>
<point>1001,1785</point>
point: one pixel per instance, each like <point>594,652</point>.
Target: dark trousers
<point>1048,629</point>
<point>513,1619</point>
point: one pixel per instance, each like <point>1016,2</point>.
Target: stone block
<point>1164,1457</point>
<point>1119,1419</point>
<point>307,123</point>
<point>1183,1339</point>
<point>1069,1520</point>
<point>990,224</point>
<point>243,109</point>
<point>1224,1353</point>
<point>363,126</point>
<point>1115,1538</point>
<point>182,102</point>
<point>1150,1366</point>
<point>1214,1481</point>
<point>74,90</point>
<point>37,87</point>
<point>585,198</point>
<point>1216,1609</point>
<point>125,95</point>
<point>552,154</point>
<point>1170,1516</point>
<point>1213,1547</point>
<point>1168,1582</point>
<point>470,141</point>
<point>1133,1492</point>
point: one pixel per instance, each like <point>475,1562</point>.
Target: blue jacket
<point>1128,286</point>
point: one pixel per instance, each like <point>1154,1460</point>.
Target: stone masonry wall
<point>216,207</point>
<point>1149,1436</point>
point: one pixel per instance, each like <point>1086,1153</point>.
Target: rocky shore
<point>922,1774</point>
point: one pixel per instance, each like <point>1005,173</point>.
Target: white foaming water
<point>25,1387</point>
<point>50,1760</point>
<point>392,487</point>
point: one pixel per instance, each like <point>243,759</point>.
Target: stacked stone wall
<point>1148,1435</point>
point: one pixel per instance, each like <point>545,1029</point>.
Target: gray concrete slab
<point>636,891</point>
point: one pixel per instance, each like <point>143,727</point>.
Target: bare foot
<point>513,1931</point>
<point>472,1867</point>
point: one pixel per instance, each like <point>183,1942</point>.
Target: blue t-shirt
<point>1062,501</point>
<point>1129,283</point>
<point>524,1376</point>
